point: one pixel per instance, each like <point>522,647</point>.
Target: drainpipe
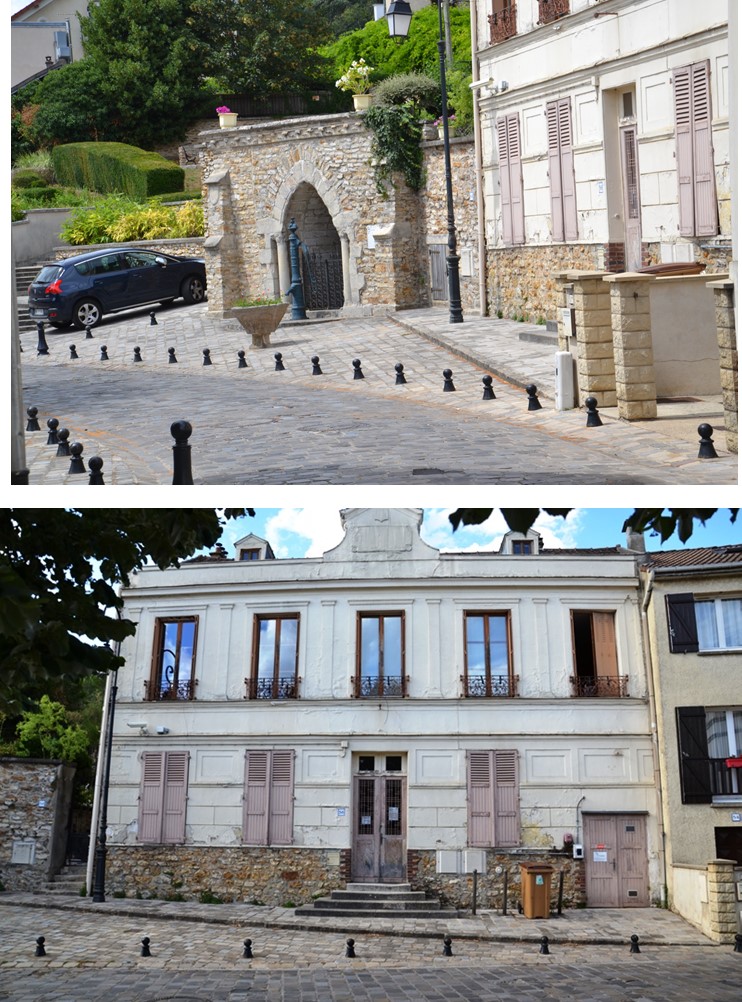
<point>481,246</point>
<point>94,821</point>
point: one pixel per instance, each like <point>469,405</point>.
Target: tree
<point>661,520</point>
<point>60,611</point>
<point>48,732</point>
<point>71,105</point>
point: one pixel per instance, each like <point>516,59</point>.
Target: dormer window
<point>521,546</point>
<point>251,554</point>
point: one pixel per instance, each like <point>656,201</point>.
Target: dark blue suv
<point>80,290</point>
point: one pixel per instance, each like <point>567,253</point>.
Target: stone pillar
<point>284,268</point>
<point>726,334</point>
<point>345,259</point>
<point>722,900</point>
<point>596,375</point>
<point>636,392</point>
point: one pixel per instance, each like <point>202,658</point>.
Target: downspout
<point>99,766</point>
<point>481,246</point>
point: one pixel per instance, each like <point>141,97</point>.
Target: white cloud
<point>319,526</point>
<point>558,532</point>
<point>437,531</point>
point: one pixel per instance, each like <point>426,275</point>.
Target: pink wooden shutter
<point>507,800</point>
<point>566,163</point>
<point>703,153</point>
<point>516,179</point>
<point>256,798</point>
<point>150,797</point>
<point>174,799</point>
<point>281,826</point>
<point>505,197</point>
<point>555,171</point>
<point>681,79</point>
<point>481,800</point>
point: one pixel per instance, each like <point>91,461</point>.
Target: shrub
<point>36,197</point>
<point>38,160</point>
<point>27,179</point>
<point>116,167</point>
<point>207,898</point>
<point>143,224</point>
<point>189,220</point>
<point>421,90</point>
<point>91,225</point>
<point>396,144</point>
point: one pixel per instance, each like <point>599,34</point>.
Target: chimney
<point>635,541</point>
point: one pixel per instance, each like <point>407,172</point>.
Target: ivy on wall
<point>395,146</point>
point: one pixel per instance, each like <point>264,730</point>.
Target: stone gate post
<point>636,391</point>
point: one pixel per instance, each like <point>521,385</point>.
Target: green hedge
<point>116,167</point>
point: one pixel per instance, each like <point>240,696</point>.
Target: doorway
<point>379,812</point>
<point>632,210</point>
<point>616,867</point>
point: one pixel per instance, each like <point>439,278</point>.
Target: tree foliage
<point>72,106</point>
<point>48,732</point>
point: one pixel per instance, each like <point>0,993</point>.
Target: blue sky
<point>302,532</point>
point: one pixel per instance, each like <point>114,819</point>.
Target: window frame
<point>380,692</point>
<point>510,688</point>
<point>253,682</point>
<point>605,680</point>
<point>718,601</point>
<point>154,688</point>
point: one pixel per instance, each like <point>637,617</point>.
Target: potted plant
<point>227,118</point>
<point>259,316</point>
<point>356,80</point>
<point>439,124</point>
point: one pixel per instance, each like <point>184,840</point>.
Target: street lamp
<point>398,17</point>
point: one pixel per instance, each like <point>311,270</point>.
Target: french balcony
<point>170,690</point>
<point>610,686</point>
<point>503,24</point>
<point>484,686</point>
<point>380,686</point>
<point>552,10</point>
<point>284,687</point>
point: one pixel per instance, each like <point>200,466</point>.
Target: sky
<point>309,532</point>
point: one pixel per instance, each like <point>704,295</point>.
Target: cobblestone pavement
<point>258,426</point>
<point>97,958</point>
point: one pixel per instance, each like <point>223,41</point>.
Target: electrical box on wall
<point>577,852</point>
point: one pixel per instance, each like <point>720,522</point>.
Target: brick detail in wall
<point>615,256</point>
<point>346,865</point>
<point>413,863</point>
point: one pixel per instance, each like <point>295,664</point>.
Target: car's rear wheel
<point>193,289</point>
<point>87,313</point>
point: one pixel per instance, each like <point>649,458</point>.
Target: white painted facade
<point>33,31</point>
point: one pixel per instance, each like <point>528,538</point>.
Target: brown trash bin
<point>535,880</point>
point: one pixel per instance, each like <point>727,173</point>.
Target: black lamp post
<point>398,17</point>
<point>99,858</point>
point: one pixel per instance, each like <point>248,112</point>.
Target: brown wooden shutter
<point>150,797</point>
<point>174,797</point>
<point>255,824</point>
<point>280,829</point>
<point>481,799</point>
<point>515,171</point>
<point>507,799</point>
<point>555,171</point>
<point>681,80</point>
<point>695,771</point>
<point>604,644</point>
<point>681,623</point>
<point>505,199</point>
<point>704,182</point>
<point>566,163</point>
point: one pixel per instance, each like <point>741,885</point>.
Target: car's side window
<point>111,262</point>
<point>140,260</point>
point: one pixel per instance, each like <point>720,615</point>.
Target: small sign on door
<point>394,814</point>
<point>599,856</point>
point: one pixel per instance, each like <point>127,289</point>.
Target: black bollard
<point>138,354</point>
<point>280,367</point>
<point>181,432</point>
<point>534,404</point>
<point>152,319</point>
<point>63,449</point>
<point>95,465</point>
<point>706,448</point>
<point>447,951</point>
<point>171,353</point>
<point>247,952</point>
<point>357,372</point>
<point>505,893</point>
<point>241,363</point>
<point>42,348</point>
<point>73,351</point>
<point>104,353</point>
<point>316,371</point>
<point>350,948</point>
<point>52,424</point>
<point>88,332</point>
<point>206,352</point>
<point>40,951</point>
<point>738,943</point>
<point>448,386</point>
<point>635,944</point>
<point>76,463</point>
<point>544,945</point>
<point>399,369</point>
<point>33,423</point>
<point>593,418</point>
<point>145,947</point>
<point>489,393</point>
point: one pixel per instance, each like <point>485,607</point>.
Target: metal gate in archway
<point>322,275</point>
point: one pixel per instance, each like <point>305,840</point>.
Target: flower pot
<point>228,120</point>
<point>440,132</point>
<point>259,321</point>
<point>362,102</point>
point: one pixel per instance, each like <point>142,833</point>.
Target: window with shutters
<point>493,798</point>
<point>511,179</point>
<point>694,150</point>
<point>561,170</point>
<point>487,652</point>
<point>380,655</point>
<point>710,753</point>
<point>594,655</point>
<point>703,624</point>
<point>268,814</point>
<point>275,657</point>
<point>162,797</point>
<point>173,659</point>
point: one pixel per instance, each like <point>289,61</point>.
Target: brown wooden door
<point>379,853</point>
<point>616,861</point>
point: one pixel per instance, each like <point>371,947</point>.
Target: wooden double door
<point>616,864</point>
<point>379,830</point>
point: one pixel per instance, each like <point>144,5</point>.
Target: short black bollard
<point>280,367</point>
<point>73,351</point>
<point>544,945</point>
<point>145,947</point>
<point>181,432</point>
<point>635,944</point>
<point>316,371</point>
<point>534,404</point>
<point>40,951</point>
<point>42,348</point>
<point>350,948</point>
<point>171,354</point>
<point>52,424</point>
<point>247,952</point>
<point>706,448</point>
<point>138,354</point>
<point>33,422</point>
<point>489,393</point>
<point>357,371</point>
<point>593,418</point>
<point>206,352</point>
<point>241,363</point>
<point>738,943</point>
<point>447,951</point>
<point>76,463</point>
<point>399,369</point>
<point>63,449</point>
<point>95,465</point>
<point>104,353</point>
<point>152,319</point>
<point>88,332</point>
<point>448,386</point>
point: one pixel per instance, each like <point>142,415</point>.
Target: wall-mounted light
<point>137,723</point>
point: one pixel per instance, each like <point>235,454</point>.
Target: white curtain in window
<point>708,634</point>
<point>737,715</point>
<point>716,732</point>
<point>731,609</point>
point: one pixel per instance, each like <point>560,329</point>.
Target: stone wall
<point>726,334</point>
<point>35,796</point>
<point>182,247</point>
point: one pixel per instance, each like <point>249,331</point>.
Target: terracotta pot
<point>362,102</point>
<point>259,321</point>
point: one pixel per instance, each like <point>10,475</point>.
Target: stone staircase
<point>68,881</point>
<point>378,901</point>
<point>24,275</point>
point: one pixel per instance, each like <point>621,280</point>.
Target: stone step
<point>376,896</point>
<point>373,904</point>
<point>441,913</point>
<point>377,900</point>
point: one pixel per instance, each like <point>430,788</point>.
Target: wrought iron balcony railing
<point>490,685</point>
<point>379,686</point>
<point>599,685</point>
<point>284,687</point>
<point>551,10</point>
<point>503,24</point>
<point>170,690</point>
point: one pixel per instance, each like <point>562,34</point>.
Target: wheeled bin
<point>535,881</point>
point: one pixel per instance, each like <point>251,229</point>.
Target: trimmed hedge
<point>116,167</point>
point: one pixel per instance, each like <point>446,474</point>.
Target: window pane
<point>731,609</point>
<point>708,634</point>
<point>498,645</point>
<point>475,645</point>
<point>369,646</point>
<point>266,648</point>
<point>737,718</point>
<point>287,653</point>
<point>392,645</point>
<point>169,648</point>
<point>716,732</point>
<point>185,665</point>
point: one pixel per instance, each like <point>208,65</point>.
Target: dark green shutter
<point>695,767</point>
<point>681,623</point>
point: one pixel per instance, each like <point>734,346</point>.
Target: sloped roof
<point>702,556</point>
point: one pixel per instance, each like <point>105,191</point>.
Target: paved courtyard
<point>256,425</point>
